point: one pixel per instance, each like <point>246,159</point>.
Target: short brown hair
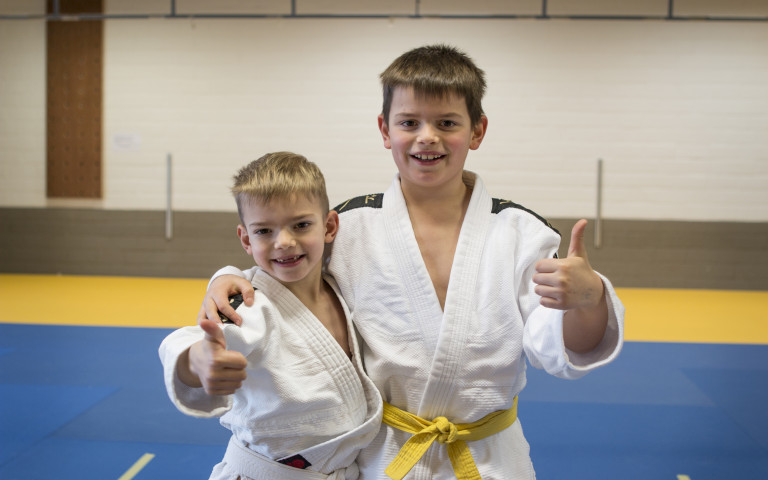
<point>436,71</point>
<point>279,175</point>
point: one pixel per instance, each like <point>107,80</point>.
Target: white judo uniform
<point>303,401</point>
<point>468,360</point>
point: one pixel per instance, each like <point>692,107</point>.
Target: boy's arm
<point>572,285</point>
<point>226,282</point>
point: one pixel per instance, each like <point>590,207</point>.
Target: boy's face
<point>430,138</point>
<point>287,236</point>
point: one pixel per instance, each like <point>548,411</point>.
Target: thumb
<point>577,247</point>
<point>247,293</point>
<point>213,333</point>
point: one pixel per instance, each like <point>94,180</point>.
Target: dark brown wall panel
<point>640,254</point>
<point>74,105</point>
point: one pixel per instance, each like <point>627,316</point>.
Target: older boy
<point>452,289</point>
<point>288,381</point>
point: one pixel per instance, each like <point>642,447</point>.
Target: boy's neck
<point>308,290</point>
<point>444,203</point>
<point>436,220</point>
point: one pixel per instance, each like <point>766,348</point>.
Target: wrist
<point>184,371</point>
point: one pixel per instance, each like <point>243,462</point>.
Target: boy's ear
<point>245,240</point>
<point>478,133</point>
<point>384,129</point>
<point>331,226</point>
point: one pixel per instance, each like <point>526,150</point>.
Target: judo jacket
<point>303,398</point>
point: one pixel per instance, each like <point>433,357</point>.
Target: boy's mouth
<point>425,158</point>
<point>288,261</point>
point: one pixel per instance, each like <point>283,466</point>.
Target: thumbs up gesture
<point>570,282</point>
<point>209,364</point>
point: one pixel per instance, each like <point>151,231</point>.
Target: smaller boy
<point>289,381</point>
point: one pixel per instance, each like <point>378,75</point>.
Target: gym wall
<point>676,109</point>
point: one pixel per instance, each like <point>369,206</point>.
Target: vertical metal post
<point>168,192</point>
<point>599,213</point>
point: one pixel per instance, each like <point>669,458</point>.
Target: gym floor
<point>83,397</point>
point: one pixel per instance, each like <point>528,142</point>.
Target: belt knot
<point>453,436</point>
<point>446,431</point>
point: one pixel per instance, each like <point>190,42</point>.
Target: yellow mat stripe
<point>137,467</point>
<point>100,301</point>
<point>701,316</point>
<point>654,315</point>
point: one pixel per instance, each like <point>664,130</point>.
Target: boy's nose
<point>284,240</point>
<point>427,134</point>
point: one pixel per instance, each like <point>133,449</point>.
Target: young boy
<point>288,381</point>
<point>451,289</point>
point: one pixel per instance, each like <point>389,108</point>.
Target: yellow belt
<point>456,436</point>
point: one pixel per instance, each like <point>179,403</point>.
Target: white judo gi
<point>303,398</point>
<point>468,360</point>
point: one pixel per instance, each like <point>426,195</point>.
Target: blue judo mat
<point>89,402</point>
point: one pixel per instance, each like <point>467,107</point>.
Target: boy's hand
<point>569,283</point>
<point>220,372</point>
<point>217,299</point>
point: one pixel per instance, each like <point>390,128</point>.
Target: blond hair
<point>279,175</point>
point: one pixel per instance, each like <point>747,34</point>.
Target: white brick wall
<point>22,113</point>
<point>677,110</point>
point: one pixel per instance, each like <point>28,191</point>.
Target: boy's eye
<point>408,123</point>
<point>447,123</point>
<point>261,231</point>
<point>303,225</point>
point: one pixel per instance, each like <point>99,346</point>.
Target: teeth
<point>287,260</point>
<point>427,157</point>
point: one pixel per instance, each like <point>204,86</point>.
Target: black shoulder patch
<point>499,205</point>
<point>234,302</point>
<point>373,200</point>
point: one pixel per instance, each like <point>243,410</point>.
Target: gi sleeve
<point>545,348</point>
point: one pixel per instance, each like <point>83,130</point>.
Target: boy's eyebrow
<point>295,218</point>
<point>442,115</point>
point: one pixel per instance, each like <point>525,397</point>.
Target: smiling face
<point>429,138</point>
<point>287,237</point>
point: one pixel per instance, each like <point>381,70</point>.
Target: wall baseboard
<point>634,254</point>
<point>677,254</point>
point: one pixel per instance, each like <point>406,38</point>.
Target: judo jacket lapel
<point>444,331</point>
<point>425,308</point>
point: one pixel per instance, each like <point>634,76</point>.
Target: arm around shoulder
<point>224,283</point>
